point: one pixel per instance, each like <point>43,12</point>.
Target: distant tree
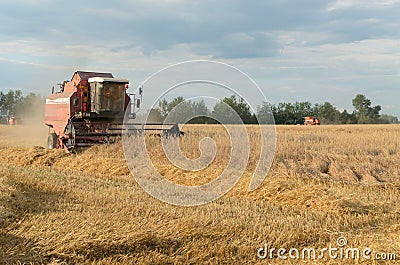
<point>389,119</point>
<point>327,113</point>
<point>180,111</point>
<point>265,113</point>
<point>285,113</point>
<point>30,106</point>
<point>154,115</point>
<point>11,103</point>
<point>373,113</point>
<point>225,110</point>
<point>302,109</point>
<point>347,118</point>
<point>2,104</point>
<point>163,107</point>
<point>166,107</point>
<point>291,113</point>
<point>241,108</point>
<point>363,110</point>
<point>201,113</point>
<point>223,113</point>
<point>8,104</point>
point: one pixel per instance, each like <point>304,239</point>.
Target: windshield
<point>113,97</point>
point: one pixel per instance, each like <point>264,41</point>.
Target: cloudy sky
<point>295,50</point>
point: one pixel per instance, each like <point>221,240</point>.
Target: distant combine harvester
<point>311,120</point>
<point>12,120</point>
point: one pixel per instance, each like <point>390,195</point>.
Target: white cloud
<point>346,4</point>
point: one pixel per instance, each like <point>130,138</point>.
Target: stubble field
<point>325,182</point>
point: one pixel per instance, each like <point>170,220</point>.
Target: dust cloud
<point>31,130</point>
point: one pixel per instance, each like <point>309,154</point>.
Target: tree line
<point>15,104</point>
<point>283,113</point>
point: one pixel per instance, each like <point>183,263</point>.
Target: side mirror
<point>140,91</point>
<point>137,103</point>
<point>52,90</point>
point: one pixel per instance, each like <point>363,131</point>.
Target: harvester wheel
<point>52,140</point>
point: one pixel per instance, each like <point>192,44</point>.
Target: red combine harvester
<point>90,109</point>
<point>311,120</point>
<point>14,121</point>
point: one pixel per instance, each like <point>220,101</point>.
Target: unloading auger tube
<point>90,108</point>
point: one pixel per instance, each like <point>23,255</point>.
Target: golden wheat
<point>325,182</point>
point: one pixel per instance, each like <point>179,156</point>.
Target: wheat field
<point>325,182</point>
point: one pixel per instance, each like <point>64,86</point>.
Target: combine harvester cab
<point>90,110</point>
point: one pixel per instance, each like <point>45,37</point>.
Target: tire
<point>52,140</point>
